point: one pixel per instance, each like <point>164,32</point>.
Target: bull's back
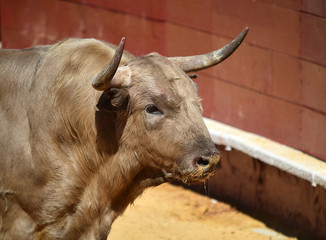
<point>17,68</point>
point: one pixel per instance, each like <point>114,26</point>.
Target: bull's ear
<point>114,99</point>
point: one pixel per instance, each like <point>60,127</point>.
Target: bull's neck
<point>116,184</point>
<point>124,177</point>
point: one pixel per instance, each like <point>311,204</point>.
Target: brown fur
<point>68,170</point>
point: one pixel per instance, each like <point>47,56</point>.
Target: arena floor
<point>171,212</point>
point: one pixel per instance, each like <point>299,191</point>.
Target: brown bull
<point>73,154</point>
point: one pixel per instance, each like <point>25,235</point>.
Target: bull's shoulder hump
<point>88,45</point>
<point>78,44</point>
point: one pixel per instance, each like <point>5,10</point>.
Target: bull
<point>86,127</point>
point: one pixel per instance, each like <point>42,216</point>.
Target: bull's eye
<point>152,109</point>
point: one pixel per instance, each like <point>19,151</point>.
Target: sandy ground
<point>173,213</point>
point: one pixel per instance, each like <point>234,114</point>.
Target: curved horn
<point>102,80</point>
<point>199,62</point>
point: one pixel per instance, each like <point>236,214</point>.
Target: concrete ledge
<point>283,157</point>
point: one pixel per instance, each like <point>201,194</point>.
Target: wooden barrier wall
<point>274,85</point>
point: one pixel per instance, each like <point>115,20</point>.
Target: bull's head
<point>164,127</point>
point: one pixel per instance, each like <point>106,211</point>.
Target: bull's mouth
<point>196,178</point>
<point>189,177</point>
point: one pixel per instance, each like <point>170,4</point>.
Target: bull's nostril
<point>203,161</point>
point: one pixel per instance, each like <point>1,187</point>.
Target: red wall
<point>274,85</point>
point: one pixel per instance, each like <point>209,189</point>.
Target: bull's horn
<point>199,62</point>
<point>102,80</point>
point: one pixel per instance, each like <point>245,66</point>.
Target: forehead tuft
<point>159,75</point>
<point>158,67</point>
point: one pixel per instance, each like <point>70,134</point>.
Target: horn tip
<point>242,35</point>
<point>245,31</point>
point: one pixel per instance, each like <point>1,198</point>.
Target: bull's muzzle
<point>198,169</point>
